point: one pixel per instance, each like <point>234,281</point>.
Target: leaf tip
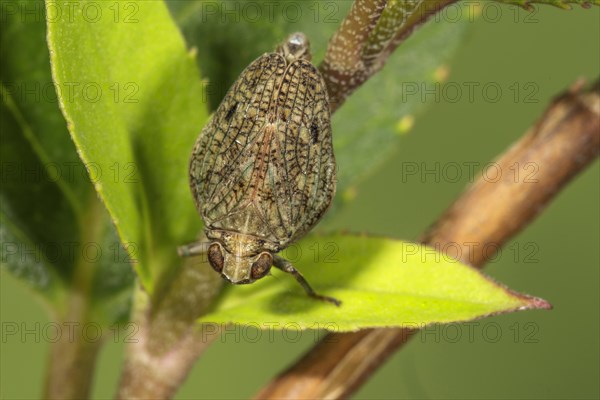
<point>535,303</point>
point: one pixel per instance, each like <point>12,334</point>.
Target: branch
<point>73,356</point>
<point>564,141</point>
<point>366,38</point>
<point>168,340</point>
<point>71,364</point>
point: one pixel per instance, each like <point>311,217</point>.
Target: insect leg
<point>193,249</point>
<point>286,266</point>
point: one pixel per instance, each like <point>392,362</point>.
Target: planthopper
<point>262,171</point>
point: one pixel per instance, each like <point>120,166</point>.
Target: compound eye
<point>215,257</point>
<point>261,266</point>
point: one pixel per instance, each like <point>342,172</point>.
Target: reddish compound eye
<point>215,257</point>
<point>262,265</point>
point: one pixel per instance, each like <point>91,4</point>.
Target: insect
<point>262,171</point>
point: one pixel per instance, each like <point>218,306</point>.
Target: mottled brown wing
<point>264,164</point>
<point>222,155</point>
<point>303,171</point>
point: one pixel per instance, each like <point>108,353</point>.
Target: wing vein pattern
<point>264,164</point>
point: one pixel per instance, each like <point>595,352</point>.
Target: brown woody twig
<point>564,141</point>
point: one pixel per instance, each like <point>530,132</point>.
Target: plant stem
<point>73,356</point>
<point>168,340</point>
<point>371,31</point>
<point>564,141</point>
<point>72,361</point>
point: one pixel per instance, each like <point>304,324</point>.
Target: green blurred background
<point>541,354</point>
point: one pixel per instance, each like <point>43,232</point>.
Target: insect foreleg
<point>193,249</point>
<point>286,266</point>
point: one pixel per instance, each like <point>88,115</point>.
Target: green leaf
<point>381,282</point>
<point>56,235</point>
<point>28,226</point>
<point>135,112</point>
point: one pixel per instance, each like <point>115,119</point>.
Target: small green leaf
<point>381,282</point>
<point>135,112</point>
